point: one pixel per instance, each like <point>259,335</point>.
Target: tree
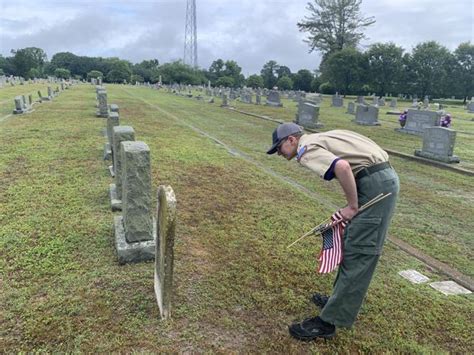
<point>464,69</point>
<point>178,72</point>
<point>120,71</point>
<point>255,81</point>
<point>147,70</point>
<point>268,73</point>
<point>215,70</point>
<point>233,70</point>
<point>28,58</point>
<point>94,74</point>
<point>226,81</point>
<point>385,66</point>
<point>345,70</point>
<point>283,71</point>
<point>136,78</point>
<point>302,80</point>
<point>333,25</point>
<point>429,64</point>
<point>285,83</point>
<point>62,73</point>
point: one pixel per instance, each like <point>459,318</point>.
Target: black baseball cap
<point>281,132</point>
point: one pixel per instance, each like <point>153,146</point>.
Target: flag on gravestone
<point>331,252</point>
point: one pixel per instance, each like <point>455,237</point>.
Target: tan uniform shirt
<point>317,151</point>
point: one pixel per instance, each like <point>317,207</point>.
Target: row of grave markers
<point>139,236</point>
<point>22,106</point>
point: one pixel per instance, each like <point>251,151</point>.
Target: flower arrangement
<point>445,121</point>
<point>403,118</point>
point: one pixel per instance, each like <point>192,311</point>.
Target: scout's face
<point>288,147</point>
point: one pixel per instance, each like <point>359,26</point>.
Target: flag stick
<point>325,226</point>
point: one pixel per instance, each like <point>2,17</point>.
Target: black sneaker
<point>312,328</point>
<point>320,300</point>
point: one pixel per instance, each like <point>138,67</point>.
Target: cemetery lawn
<point>237,286</point>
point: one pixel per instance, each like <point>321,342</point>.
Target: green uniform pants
<point>363,242</point>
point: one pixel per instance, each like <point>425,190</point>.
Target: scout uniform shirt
<point>320,151</point>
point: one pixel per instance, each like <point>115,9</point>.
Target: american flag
<point>331,252</point>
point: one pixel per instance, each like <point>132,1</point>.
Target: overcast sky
<point>250,32</point>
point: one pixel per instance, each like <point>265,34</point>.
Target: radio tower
<point>190,38</point>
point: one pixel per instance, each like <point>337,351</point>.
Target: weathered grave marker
<point>438,144</point>
<point>273,99</point>
<point>419,120</point>
<point>308,115</point>
<point>367,115</point>
<point>120,134</point>
<point>164,250</point>
<point>134,229</point>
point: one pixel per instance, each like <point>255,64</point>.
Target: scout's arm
<point>344,175</point>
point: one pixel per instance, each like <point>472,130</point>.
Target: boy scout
<point>363,171</point>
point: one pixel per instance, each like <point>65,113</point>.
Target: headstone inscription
<point>164,250</point>
<point>134,229</point>
<point>438,144</point>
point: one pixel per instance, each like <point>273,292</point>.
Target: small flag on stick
<point>331,252</point>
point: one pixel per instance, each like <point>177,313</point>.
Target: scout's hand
<point>348,212</point>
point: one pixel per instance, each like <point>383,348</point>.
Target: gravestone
<point>470,107</point>
<point>19,109</point>
<point>419,120</point>
<point>273,99</point>
<point>382,101</point>
<point>367,115</point>
<point>351,108</point>
<point>134,229</point>
<point>112,121</point>
<point>246,97</point>
<point>225,101</point>
<point>308,115</point>
<point>114,108</point>
<point>43,98</point>
<point>119,134</point>
<point>258,98</point>
<point>393,103</point>
<point>30,100</point>
<point>426,102</point>
<point>360,100</point>
<point>103,110</point>
<point>337,101</point>
<point>449,288</point>
<point>413,276</point>
<point>164,249</point>
<point>438,144</point>
<point>375,101</point>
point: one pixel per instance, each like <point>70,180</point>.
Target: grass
<point>237,287</point>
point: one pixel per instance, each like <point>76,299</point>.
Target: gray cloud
<point>250,32</point>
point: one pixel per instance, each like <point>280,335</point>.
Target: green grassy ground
<point>237,287</point>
